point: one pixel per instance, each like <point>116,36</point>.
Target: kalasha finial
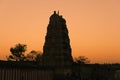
<point>58,12</point>
<point>54,12</point>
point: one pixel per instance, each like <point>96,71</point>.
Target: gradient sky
<point>94,26</point>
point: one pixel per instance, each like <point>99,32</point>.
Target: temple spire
<point>57,50</point>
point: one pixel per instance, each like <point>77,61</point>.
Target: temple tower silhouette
<point>57,49</point>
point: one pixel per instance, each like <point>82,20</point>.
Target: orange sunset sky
<point>94,26</point>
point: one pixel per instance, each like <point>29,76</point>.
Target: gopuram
<point>57,49</point>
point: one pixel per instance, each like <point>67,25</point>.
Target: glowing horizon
<point>94,26</point>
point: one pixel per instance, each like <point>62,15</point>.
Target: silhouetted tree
<point>34,56</point>
<point>17,52</point>
<point>38,58</point>
<point>82,60</point>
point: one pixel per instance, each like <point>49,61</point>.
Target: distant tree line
<point>18,54</point>
<point>81,60</point>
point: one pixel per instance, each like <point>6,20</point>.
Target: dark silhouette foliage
<point>34,56</point>
<point>82,60</point>
<point>17,52</point>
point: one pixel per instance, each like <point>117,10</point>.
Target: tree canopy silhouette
<point>34,56</point>
<point>17,52</point>
<point>82,60</point>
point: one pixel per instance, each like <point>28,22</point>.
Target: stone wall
<point>97,71</point>
<point>25,74</point>
<point>34,71</point>
<point>13,71</point>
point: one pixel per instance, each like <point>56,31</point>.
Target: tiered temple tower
<point>56,49</point>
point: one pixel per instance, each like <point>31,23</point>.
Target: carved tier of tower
<point>57,50</point>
